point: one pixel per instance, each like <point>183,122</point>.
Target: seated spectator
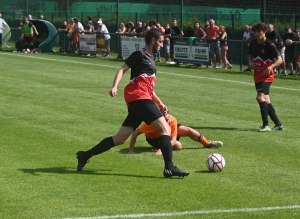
<point>289,51</point>
<point>224,46</point>
<point>198,31</point>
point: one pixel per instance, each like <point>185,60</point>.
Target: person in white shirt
<point>78,28</point>
<point>247,39</point>
<point>103,29</point>
<point>3,24</point>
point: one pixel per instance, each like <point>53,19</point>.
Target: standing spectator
<point>206,25</point>
<point>167,43</point>
<point>296,43</point>
<point>103,29</point>
<point>91,26</point>
<point>145,28</point>
<point>30,17</point>
<point>131,28</point>
<point>289,52</point>
<point>224,46</point>
<point>3,24</point>
<point>28,29</point>
<point>175,33</point>
<point>142,105</point>
<point>69,29</point>
<point>214,44</point>
<point>275,37</point>
<point>139,29</point>
<point>263,52</point>
<point>64,37</point>
<point>42,17</point>
<point>162,29</point>
<point>120,32</point>
<point>247,39</point>
<point>78,28</point>
<point>198,31</point>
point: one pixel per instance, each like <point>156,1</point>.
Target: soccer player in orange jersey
<point>177,131</point>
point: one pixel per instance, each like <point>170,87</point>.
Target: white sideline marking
<point>170,73</point>
<point>193,212</point>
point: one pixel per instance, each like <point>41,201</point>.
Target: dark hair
<point>259,27</point>
<point>152,23</point>
<point>152,33</point>
<point>90,18</point>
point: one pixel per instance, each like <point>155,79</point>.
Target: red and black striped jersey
<point>142,77</point>
<point>263,55</point>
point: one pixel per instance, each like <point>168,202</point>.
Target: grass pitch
<point>53,105</point>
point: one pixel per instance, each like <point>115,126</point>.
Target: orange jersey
<point>151,133</point>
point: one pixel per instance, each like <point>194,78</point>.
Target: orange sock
<point>203,140</point>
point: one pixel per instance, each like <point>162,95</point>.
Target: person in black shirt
<point>175,33</point>
<point>275,37</point>
<point>289,52</point>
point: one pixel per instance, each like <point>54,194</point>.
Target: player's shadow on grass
<point>69,170</point>
<point>224,128</point>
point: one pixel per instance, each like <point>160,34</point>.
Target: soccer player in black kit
<point>143,105</point>
<point>262,53</point>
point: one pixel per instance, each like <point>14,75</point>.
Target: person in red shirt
<point>214,44</point>
<point>177,131</point>
<point>262,52</point>
<point>142,103</point>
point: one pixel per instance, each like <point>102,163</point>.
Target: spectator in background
<point>28,29</point>
<point>78,28</point>
<point>198,31</point>
<point>175,33</point>
<point>289,51</point>
<point>206,25</point>
<point>214,44</point>
<point>152,24</point>
<point>131,28</point>
<point>167,42</point>
<point>3,24</point>
<point>91,27</point>
<point>247,39</point>
<point>64,36</point>
<point>139,29</point>
<point>42,17</point>
<point>224,46</point>
<point>103,29</point>
<point>162,29</point>
<point>121,32</point>
<point>296,43</point>
<point>30,17</point>
<point>275,37</point>
<point>145,28</point>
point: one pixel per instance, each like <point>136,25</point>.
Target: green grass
<point>53,105</point>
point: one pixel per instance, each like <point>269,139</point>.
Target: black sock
<point>166,150</point>
<point>272,114</point>
<point>103,146</point>
<point>264,112</point>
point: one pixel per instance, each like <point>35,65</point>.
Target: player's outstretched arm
<point>162,107</point>
<point>118,78</point>
<point>133,138</point>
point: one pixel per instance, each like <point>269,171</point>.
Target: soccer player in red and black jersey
<point>262,53</point>
<point>143,105</point>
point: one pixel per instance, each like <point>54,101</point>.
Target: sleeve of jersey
<point>133,58</point>
<point>275,52</point>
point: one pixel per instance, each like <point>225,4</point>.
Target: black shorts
<point>153,142</point>
<point>263,87</point>
<point>141,111</point>
<point>0,38</point>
